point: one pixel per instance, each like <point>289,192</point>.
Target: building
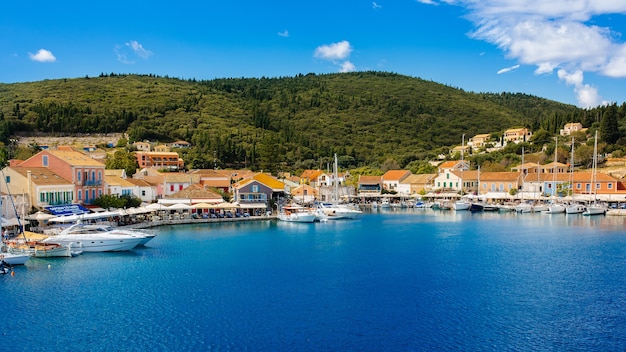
<point>500,183</point>
<point>571,127</point>
<point>370,185</point>
<point>40,187</point>
<point>479,140</point>
<point>259,189</point>
<point>142,146</point>
<point>392,179</point>
<point>84,172</point>
<point>417,184</point>
<point>161,160</point>
<point>517,135</point>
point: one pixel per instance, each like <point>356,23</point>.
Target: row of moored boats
<point>68,242</point>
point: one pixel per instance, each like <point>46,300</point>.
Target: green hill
<point>278,123</point>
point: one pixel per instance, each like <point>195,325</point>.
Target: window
<point>610,186</point>
<point>80,195</point>
<point>7,179</point>
<point>180,187</point>
<point>78,175</point>
<point>255,188</point>
<point>171,188</point>
<point>44,160</point>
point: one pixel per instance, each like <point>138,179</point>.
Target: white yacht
<point>294,213</point>
<point>99,238</point>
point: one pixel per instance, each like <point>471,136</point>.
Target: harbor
<point>412,279</point>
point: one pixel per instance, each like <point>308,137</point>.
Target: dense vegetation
<point>368,118</point>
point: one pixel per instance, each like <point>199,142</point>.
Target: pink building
<point>84,172</point>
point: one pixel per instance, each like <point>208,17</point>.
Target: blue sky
<point>572,51</point>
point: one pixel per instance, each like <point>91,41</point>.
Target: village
<point>60,176</point>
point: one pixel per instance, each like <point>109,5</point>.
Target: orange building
<point>160,160</point>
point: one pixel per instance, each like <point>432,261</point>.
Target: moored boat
<point>295,213</point>
<point>99,238</point>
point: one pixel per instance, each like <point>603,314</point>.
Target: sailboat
<point>594,208</point>
<point>523,207</point>
<point>555,207</point>
<point>463,203</point>
<point>334,210</point>
<point>574,208</point>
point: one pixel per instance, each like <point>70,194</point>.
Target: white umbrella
<point>156,206</point>
<point>179,206</point>
<point>40,216</point>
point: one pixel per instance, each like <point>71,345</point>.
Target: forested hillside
<point>367,118</point>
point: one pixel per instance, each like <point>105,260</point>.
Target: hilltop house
<point>517,135</point>
<point>570,128</point>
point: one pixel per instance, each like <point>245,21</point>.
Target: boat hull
<point>14,259</point>
<point>97,245</point>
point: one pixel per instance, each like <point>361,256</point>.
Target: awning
<point>67,209</point>
<point>76,217</point>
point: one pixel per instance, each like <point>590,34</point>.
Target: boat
<point>15,258</point>
<point>463,203</point>
<point>334,210</point>
<point>593,208</point>
<point>31,243</point>
<point>99,238</point>
<point>573,208</point>
<point>5,267</point>
<point>555,207</point>
<point>524,208</point>
<point>506,208</point>
<point>296,213</point>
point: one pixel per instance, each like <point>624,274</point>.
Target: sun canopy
<point>73,218</point>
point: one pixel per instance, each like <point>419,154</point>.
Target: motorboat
<point>555,208</point>
<point>462,205</point>
<point>575,209</point>
<point>15,258</point>
<point>99,238</point>
<point>31,244</point>
<point>294,213</point>
<point>339,211</point>
<point>594,209</point>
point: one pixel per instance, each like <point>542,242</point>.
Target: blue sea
<point>417,280</point>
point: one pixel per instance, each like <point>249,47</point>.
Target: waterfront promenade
<point>189,220</point>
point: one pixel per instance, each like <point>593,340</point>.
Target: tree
<point>609,128</point>
<point>123,159</point>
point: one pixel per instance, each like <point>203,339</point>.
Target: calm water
<point>410,281</point>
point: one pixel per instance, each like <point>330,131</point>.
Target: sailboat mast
<point>556,143</point>
<point>335,179</point>
<point>462,163</point>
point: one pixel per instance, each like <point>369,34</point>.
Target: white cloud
<point>285,33</point>
<point>507,69</point>
<point>376,6</point>
<point>43,55</point>
<point>335,51</point>
<point>347,66</point>
<point>552,35</point>
<point>586,95</point>
<point>138,49</point>
<point>130,50</point>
